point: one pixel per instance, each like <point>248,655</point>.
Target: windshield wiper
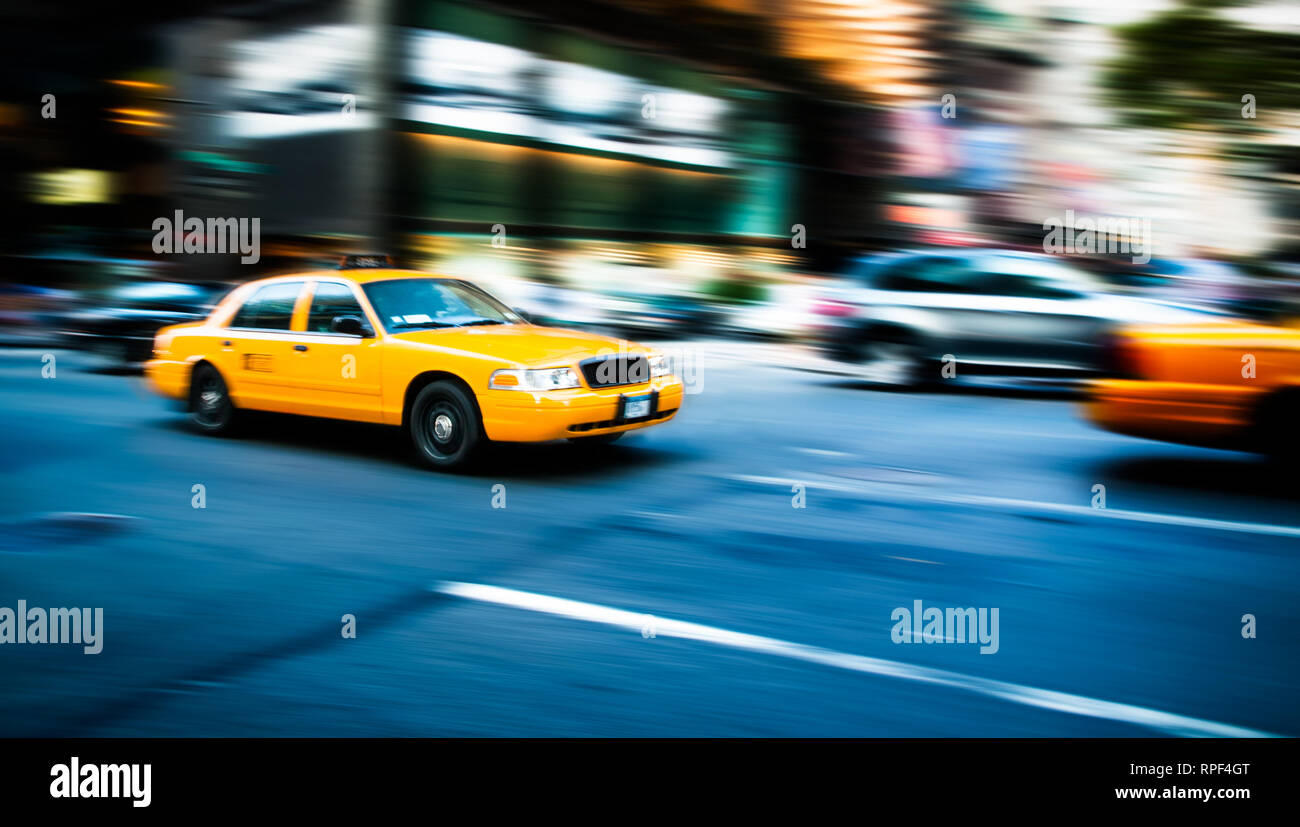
<point>482,321</point>
<point>420,325</point>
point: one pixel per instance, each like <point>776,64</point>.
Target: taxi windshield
<point>413,304</point>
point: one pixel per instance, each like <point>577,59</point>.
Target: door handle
<point>300,348</point>
<point>225,344</point>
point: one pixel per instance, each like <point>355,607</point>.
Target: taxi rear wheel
<point>445,425</point>
<point>211,410</point>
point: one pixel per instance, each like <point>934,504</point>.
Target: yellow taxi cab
<point>1224,384</point>
<point>435,355</point>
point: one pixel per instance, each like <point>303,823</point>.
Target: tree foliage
<point>1189,67</point>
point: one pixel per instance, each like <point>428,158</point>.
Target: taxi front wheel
<point>445,425</point>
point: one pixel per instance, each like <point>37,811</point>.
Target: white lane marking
<point>1167,722</point>
<point>823,452</point>
<point>816,481</point>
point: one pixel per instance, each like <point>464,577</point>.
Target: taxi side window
<point>330,300</point>
<point>270,308</point>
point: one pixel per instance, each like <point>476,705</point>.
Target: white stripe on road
<point>1027,695</point>
<point>815,481</point>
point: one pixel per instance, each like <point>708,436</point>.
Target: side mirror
<point>350,326</point>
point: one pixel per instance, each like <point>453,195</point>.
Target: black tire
<point>211,410</point>
<point>598,440</point>
<point>445,426</point>
<point>1275,433</point>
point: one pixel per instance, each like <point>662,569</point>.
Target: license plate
<point>635,407</point>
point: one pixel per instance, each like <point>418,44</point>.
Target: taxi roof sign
<point>368,261</point>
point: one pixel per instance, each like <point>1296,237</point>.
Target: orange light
<point>131,122</point>
<point>506,381</point>
<point>136,84</point>
<point>140,113</point>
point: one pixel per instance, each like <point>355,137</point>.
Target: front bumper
<point>527,416</point>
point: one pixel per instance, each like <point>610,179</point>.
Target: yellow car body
<point>1228,384</point>
<point>310,370</point>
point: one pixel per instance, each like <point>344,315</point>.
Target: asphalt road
<point>226,620</point>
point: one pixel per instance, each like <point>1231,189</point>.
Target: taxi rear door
<point>257,348</point>
<point>337,372</point>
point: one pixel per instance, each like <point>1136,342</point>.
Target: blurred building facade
<point>604,143</point>
<point>590,143</point>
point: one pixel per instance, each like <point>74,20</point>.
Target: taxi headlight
<point>659,366</point>
<point>546,379</point>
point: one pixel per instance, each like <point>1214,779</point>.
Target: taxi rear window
<point>270,308</point>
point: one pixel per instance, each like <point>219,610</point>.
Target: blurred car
<point>784,312</point>
<point>658,314</point>
<point>25,313</point>
<point>898,316</point>
<point>120,323</point>
<point>554,304</point>
<point>436,355</point>
<point>1259,296</point>
<point>1229,384</point>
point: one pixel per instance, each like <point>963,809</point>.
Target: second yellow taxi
<point>1223,384</point>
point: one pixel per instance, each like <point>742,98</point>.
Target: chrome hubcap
<point>442,427</point>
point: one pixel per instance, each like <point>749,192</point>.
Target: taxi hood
<point>525,344</point>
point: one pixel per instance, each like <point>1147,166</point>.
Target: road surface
<point>665,586</point>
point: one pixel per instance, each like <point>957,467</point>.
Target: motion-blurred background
<point>654,167</point>
<point>758,181</point>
